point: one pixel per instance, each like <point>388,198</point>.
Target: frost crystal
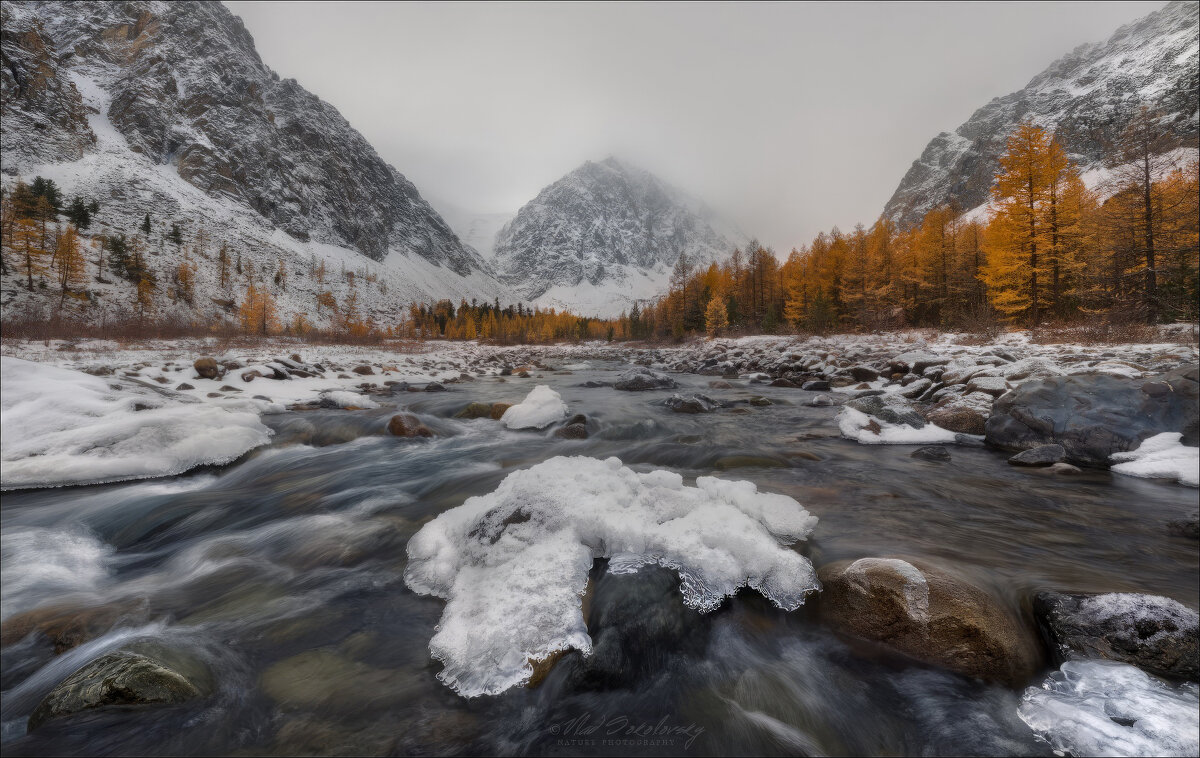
<point>513,564</point>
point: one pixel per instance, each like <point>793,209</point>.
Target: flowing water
<point>279,582</point>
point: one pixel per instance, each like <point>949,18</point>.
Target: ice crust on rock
<point>540,408</point>
<point>347,399</point>
<point>61,427</point>
<point>1162,456</point>
<point>513,564</point>
<point>1106,708</point>
<point>857,426</point>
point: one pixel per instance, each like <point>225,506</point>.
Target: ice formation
<point>61,427</point>
<point>513,564</point>
<point>1162,456</point>
<point>1108,708</point>
<point>540,408</point>
<point>856,425</point>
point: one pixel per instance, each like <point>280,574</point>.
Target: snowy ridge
<point>1086,97</point>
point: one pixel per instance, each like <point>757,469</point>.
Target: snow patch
<point>1162,456</point>
<point>861,428</point>
<point>540,408</point>
<point>513,564</point>
<point>61,427</point>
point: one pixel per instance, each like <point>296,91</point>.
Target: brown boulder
<point>207,368</point>
<point>498,410</point>
<point>929,614</point>
<point>363,370</point>
<point>408,425</point>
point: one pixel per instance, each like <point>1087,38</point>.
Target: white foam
<point>513,564</point>
<point>540,408</point>
<point>1106,708</point>
<point>40,563</point>
<point>60,427</point>
<point>1162,456</point>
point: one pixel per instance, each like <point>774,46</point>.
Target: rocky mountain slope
<point>167,109</point>
<point>605,235</point>
<point>1087,97</point>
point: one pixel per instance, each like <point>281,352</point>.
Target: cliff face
<point>1087,97</point>
<point>182,84</point>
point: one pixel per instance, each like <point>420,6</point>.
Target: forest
<point>1048,251</point>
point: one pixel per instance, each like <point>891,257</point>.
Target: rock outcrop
<point>1095,415</point>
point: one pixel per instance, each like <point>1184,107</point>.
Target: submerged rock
<point>1042,455</point>
<point>929,614</point>
<point>691,404</point>
<point>120,678</point>
<point>1154,633</point>
<point>1185,527</point>
<point>475,410</point>
<point>640,378</point>
<point>931,453</point>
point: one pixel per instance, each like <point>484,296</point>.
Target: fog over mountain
<point>787,118</point>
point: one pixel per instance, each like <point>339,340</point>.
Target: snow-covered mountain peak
<point>604,235</point>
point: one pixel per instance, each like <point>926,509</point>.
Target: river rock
<point>435,387</point>
<point>1042,455</point>
<point>408,425</point>
<point>118,678</point>
<point>184,386</point>
<point>931,615</point>
<point>475,410</point>
<point>720,384</point>
<point>863,373</point>
<point>816,385</point>
<point>965,414</point>
<point>892,409</point>
<point>992,385</point>
<point>822,401</point>
<point>931,453</point>
<point>916,361</point>
<point>498,410</point>
<point>781,382</point>
<point>640,378</point>
<point>1154,633</point>
<point>1095,415</point>
<point>363,370</point>
<point>207,368</point>
<point>691,404</point>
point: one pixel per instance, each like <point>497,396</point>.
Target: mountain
<point>605,235</point>
<point>166,108</point>
<point>1087,97</point>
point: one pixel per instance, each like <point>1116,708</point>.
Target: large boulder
<point>408,425</point>
<point>207,368</point>
<point>966,414</point>
<point>1095,415</point>
<point>929,614</point>
<point>119,678</point>
<point>1154,633</point>
<point>640,378</point>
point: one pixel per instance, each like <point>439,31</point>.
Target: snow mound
<point>61,427</point>
<point>1162,456</point>
<point>347,399</point>
<point>869,430</point>
<point>540,408</point>
<point>513,564</point>
<point>1107,708</point>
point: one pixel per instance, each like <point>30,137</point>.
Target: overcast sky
<point>787,118</point>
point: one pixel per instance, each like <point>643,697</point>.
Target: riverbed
<point>280,579</point>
